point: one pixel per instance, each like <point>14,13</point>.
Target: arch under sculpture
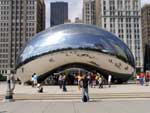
<point>75,45</point>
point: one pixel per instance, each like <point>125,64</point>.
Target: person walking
<point>109,80</point>
<point>85,94</point>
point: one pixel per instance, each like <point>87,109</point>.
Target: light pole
<point>9,92</point>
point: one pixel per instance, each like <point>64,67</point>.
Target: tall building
<point>58,13</point>
<point>19,20</point>
<point>89,13</point>
<point>98,9</point>
<point>146,25</point>
<point>146,35</point>
<point>122,18</point>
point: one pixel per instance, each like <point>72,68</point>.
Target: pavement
<point>126,98</point>
<point>125,91</point>
<point>136,106</point>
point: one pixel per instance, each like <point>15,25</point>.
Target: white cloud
<point>143,2</point>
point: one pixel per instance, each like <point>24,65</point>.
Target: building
<point>146,35</point>
<point>75,46</point>
<point>98,9</point>
<point>122,18</point>
<point>78,20</point>
<point>145,26</point>
<point>19,21</point>
<point>89,14</point>
<point>58,13</point>
<point>147,57</point>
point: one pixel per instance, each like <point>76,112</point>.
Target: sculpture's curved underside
<point>75,45</point>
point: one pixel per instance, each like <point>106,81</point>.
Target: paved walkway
<point>29,101</point>
<point>76,107</point>
<point>127,88</point>
<point>54,93</point>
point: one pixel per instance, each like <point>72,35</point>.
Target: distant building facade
<point>58,13</point>
<point>146,25</point>
<point>78,20</point>
<point>122,18</point>
<point>89,14</point>
<point>19,20</point>
<point>146,35</point>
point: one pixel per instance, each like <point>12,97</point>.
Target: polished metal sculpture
<point>76,45</point>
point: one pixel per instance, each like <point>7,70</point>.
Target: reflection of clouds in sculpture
<point>28,50</point>
<point>53,39</point>
<point>76,36</point>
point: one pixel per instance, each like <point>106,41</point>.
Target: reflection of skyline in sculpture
<point>86,40</point>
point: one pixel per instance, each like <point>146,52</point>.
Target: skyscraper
<point>89,13</point>
<point>19,20</point>
<point>122,18</point>
<point>146,35</point>
<point>58,13</point>
<point>146,25</point>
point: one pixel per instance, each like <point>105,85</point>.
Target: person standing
<point>32,80</point>
<point>60,81</point>
<point>142,75</point>
<point>79,76</point>
<point>137,79</point>
<point>35,79</point>
<point>109,80</point>
<point>147,78</point>
<point>100,82</point>
<point>85,94</point>
<point>64,83</point>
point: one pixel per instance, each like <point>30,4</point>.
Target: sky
<point>75,9</point>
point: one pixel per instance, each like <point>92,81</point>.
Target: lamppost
<point>10,88</point>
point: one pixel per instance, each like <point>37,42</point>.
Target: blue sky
<point>75,8</point>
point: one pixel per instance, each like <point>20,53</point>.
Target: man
<point>109,80</point>
<point>64,83</point>
<point>35,79</point>
<point>147,78</point>
<point>85,94</point>
<point>60,81</point>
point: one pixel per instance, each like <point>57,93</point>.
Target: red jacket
<point>142,75</point>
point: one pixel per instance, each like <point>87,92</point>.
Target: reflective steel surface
<point>75,37</point>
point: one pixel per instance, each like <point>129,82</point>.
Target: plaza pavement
<point>125,91</point>
<point>136,106</point>
<point>127,98</point>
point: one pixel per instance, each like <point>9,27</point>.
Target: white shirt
<point>109,78</point>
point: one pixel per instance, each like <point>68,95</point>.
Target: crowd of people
<point>85,80</point>
<point>143,78</point>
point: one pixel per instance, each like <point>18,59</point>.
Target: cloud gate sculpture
<point>75,45</point>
